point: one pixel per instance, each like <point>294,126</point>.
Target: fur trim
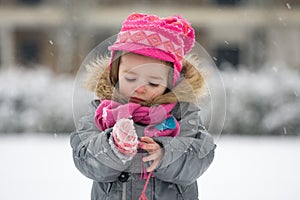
<point>190,87</point>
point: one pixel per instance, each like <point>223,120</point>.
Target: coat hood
<point>189,88</point>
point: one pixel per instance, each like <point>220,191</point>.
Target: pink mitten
<point>125,137</point>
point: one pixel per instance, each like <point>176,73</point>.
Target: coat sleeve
<point>92,153</point>
<point>187,156</point>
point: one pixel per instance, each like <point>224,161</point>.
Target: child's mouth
<point>136,100</point>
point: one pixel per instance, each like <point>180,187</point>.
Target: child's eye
<point>129,79</point>
<point>153,84</point>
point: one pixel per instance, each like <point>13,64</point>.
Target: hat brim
<point>142,50</point>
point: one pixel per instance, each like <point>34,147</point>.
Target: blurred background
<point>255,45</point>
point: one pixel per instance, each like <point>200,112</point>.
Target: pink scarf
<point>108,112</point>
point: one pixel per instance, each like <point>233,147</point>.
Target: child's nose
<point>141,89</point>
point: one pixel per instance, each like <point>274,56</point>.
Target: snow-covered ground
<point>35,167</point>
<point>253,168</point>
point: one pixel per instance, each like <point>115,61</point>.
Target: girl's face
<point>142,78</point>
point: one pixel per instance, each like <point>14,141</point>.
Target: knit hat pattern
<point>167,39</point>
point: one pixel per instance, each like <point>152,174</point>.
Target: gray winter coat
<point>185,158</point>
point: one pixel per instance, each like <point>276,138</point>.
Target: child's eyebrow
<point>156,77</point>
<point>129,72</point>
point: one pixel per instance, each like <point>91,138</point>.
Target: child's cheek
<point>153,94</point>
<point>126,90</point>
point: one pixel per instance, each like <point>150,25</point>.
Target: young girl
<point>143,138</point>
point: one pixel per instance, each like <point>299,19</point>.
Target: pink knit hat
<point>167,39</point>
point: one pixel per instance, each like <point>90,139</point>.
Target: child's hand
<point>155,151</point>
<point>125,137</point>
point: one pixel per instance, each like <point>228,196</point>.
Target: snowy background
<point>257,155</point>
<point>259,102</point>
<point>35,100</point>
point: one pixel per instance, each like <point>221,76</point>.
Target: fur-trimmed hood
<point>190,87</point>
